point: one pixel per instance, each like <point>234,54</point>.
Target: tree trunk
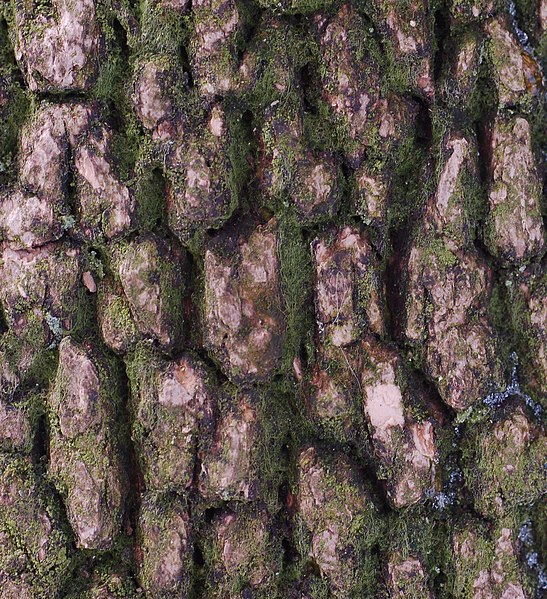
<point>273,299</point>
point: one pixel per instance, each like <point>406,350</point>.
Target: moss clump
<point>243,553</point>
<point>337,523</point>
<point>38,542</point>
<point>296,281</point>
<point>296,7</point>
<point>503,462</point>
<point>88,435</point>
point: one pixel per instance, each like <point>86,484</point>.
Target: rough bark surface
<point>273,299</point>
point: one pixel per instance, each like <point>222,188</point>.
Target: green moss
<point>34,366</point>
<point>280,50</point>
<point>296,281</point>
<point>497,468</point>
<point>252,559</point>
<point>25,522</point>
<point>12,115</point>
<point>162,31</point>
<point>150,197</point>
<point>239,154</point>
<point>419,533</point>
<point>410,185</point>
<point>467,569</point>
<point>439,254</point>
<point>296,7</point>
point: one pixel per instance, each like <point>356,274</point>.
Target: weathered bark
<point>273,299</point>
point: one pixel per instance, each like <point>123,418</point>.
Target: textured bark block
<point>201,183</point>
<point>459,80</point>
<point>65,136</point>
<point>340,518</point>
<point>213,46</point>
<point>45,144</point>
<point>16,426</point>
<point>486,566</point>
<point>405,448</point>
<point>406,577</point>
<point>349,300</point>
<point>244,554</point>
<point>450,208</point>
<point>118,328</point>
<point>515,232</point>
<point>448,286</point>
<point>504,462</point>
<point>157,82</point>
<point>34,547</point>
<point>37,211</point>
<point>349,292</point>
<point>516,74</point>
<point>452,287</point>
<point>28,221</point>
<point>371,196</point>
<point>350,77</point>
<point>288,166</point>
<point>86,463</point>
<point>528,308</point>
<point>243,313</point>
<point>105,205</point>
<point>201,187</point>
<point>230,460</point>
<point>40,286</point>
<point>406,27</point>
<point>331,393</point>
<point>390,134</point>
<point>59,44</point>
<point>172,405</point>
<point>164,547</point>
<point>150,269</point>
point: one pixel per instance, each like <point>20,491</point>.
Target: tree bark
<point>273,299</point>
